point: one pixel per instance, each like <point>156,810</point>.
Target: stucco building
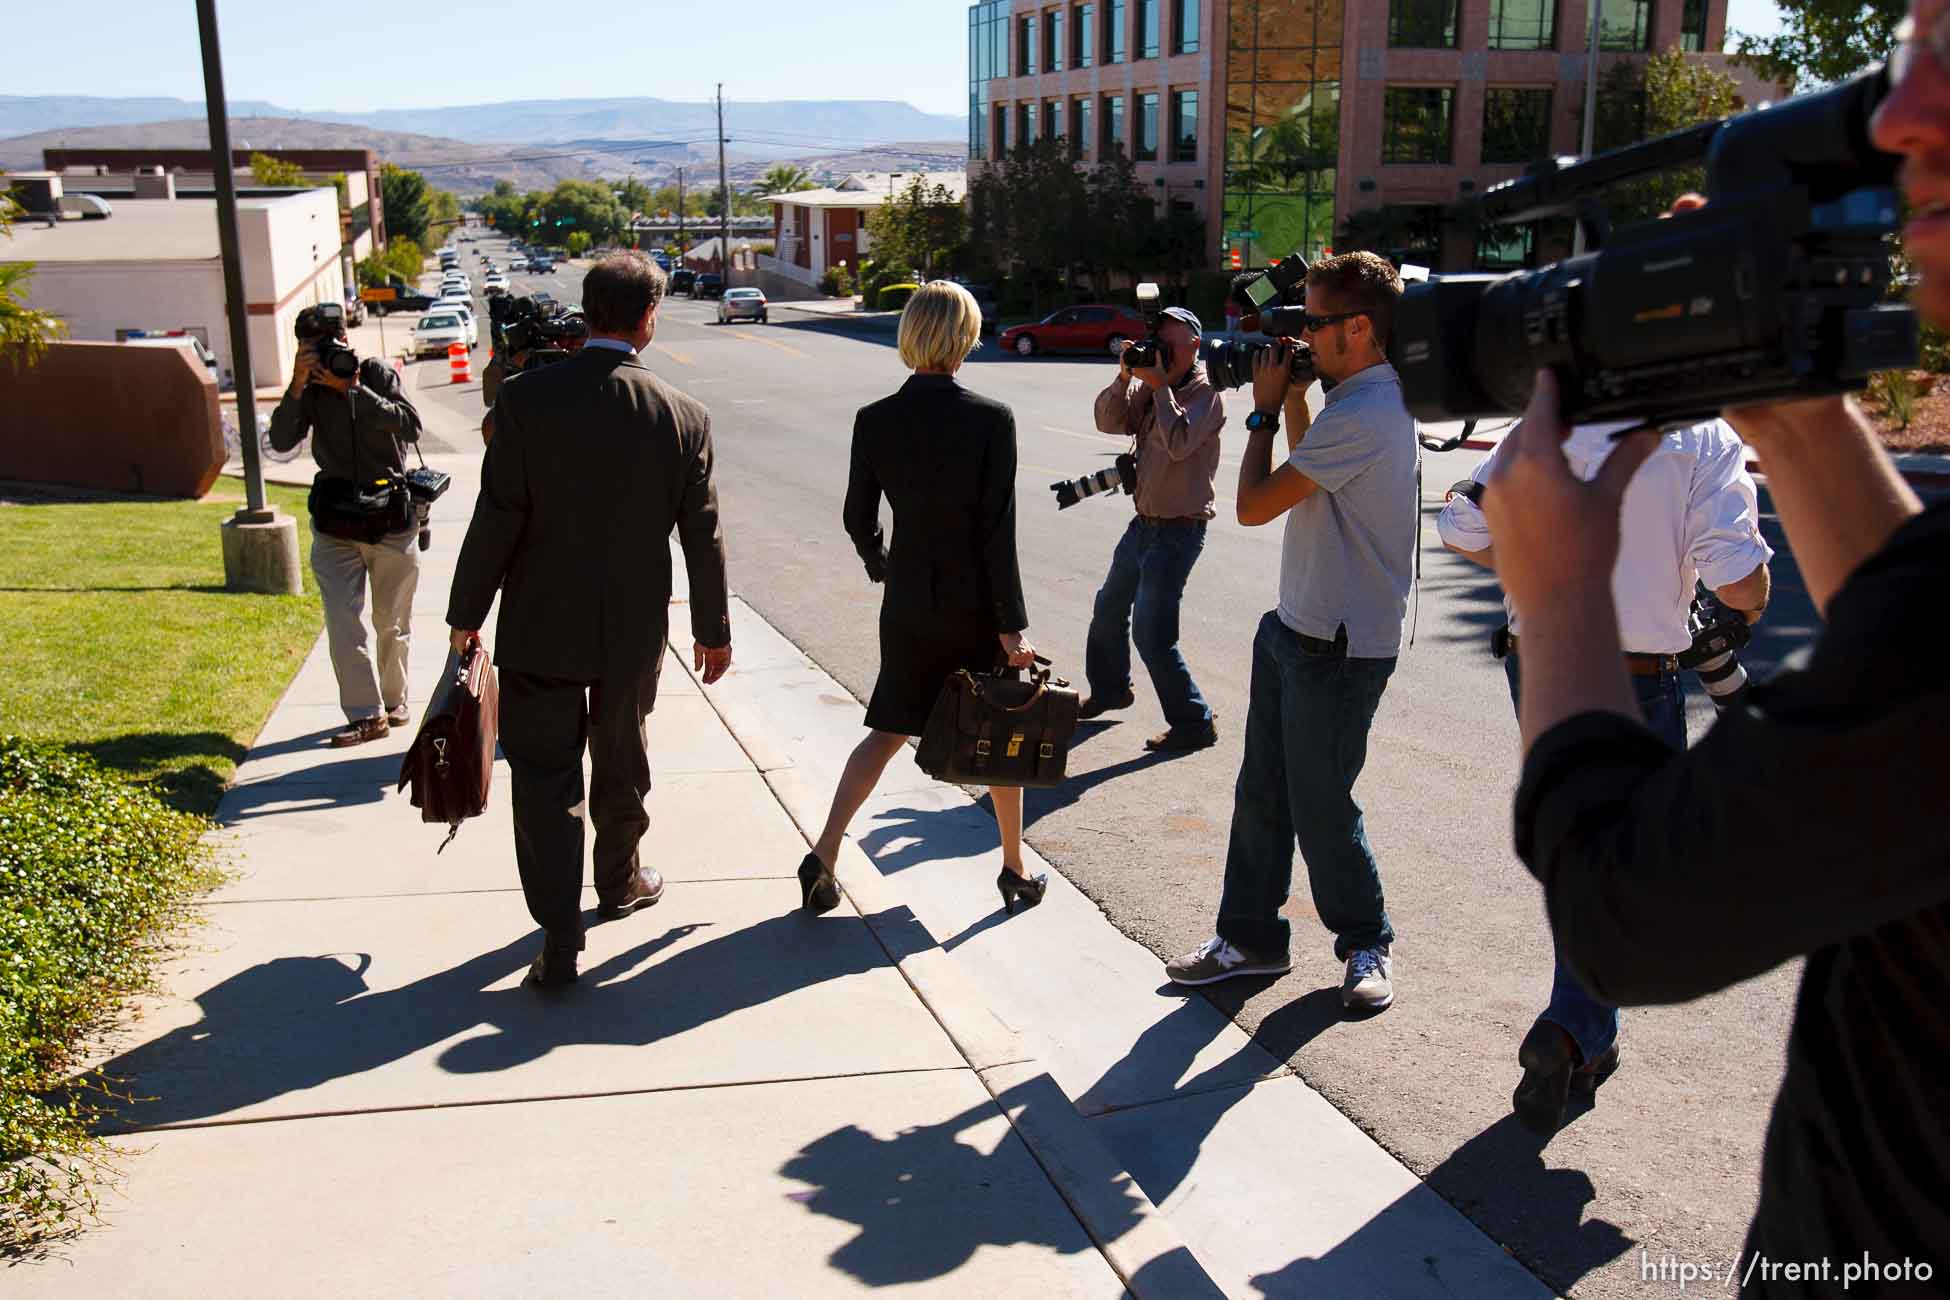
<point>156,265</point>
<point>1276,120</point>
<point>817,229</point>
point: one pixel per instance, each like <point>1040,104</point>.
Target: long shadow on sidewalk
<point>295,1023</point>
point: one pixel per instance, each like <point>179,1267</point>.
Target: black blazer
<point>945,459</point>
<point>594,461</point>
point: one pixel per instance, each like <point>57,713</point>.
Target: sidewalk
<point>351,1093</point>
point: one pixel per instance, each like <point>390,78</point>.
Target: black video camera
<point>322,327</point>
<point>1772,291</point>
<point>1274,302</point>
<point>541,330</point>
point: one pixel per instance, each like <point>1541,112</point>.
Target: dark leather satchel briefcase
<point>998,730</point>
<point>451,762</point>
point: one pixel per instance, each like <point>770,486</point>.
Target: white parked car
<point>495,283</point>
<point>458,285</point>
<point>465,309</point>
<point>436,332</point>
<point>746,304</point>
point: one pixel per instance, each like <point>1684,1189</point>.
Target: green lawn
<point>117,638</point>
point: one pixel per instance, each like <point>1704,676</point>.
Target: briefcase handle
<point>1039,676</point>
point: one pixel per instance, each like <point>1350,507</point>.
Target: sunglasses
<point>1314,324</point>
<point>1911,43</point>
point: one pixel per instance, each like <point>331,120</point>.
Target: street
<point>1666,1161</point>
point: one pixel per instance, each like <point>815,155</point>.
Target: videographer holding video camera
<point>364,517</point>
<point>1809,821</point>
<point>1160,398</point>
<point>1322,659</point>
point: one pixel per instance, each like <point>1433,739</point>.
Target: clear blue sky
<point>391,55</point>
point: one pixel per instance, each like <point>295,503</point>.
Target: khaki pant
<point>342,569</point>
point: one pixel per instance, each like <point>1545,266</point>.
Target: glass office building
<point>1282,128</point>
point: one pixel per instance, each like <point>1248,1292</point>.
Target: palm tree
<point>24,332</point>
<point>784,178</point>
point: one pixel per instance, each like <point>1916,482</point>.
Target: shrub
<point>91,869</point>
<point>1898,392</point>
<point>895,296</point>
<point>836,283</point>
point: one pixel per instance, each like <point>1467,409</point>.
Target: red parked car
<point>1092,327</point>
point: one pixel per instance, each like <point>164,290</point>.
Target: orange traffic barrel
<point>457,363</point>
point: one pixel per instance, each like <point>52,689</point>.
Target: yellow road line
<point>673,354</point>
<point>770,343</point>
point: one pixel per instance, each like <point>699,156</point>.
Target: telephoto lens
<point>1719,634</point>
<point>338,360</point>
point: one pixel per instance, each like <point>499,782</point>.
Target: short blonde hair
<point>940,326</point>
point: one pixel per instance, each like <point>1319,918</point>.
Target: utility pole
<point>724,197</point>
<point>681,248</point>
<point>260,544</point>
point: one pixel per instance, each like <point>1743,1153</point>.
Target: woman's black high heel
<point>1027,890</point>
<point>818,891</point>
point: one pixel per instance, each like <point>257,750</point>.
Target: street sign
<point>1243,234</point>
<point>377,295</point>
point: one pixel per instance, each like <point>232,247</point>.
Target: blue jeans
<point>1593,1025</point>
<point>1139,601</point>
<point>1306,740</point>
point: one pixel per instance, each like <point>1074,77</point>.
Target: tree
<point>1822,41</point>
<point>1673,92</point>
<point>578,242</point>
<point>403,194</point>
<point>266,170</point>
<point>24,332</point>
<point>918,228</point>
<point>588,206</point>
<point>443,214</point>
<point>785,178</point>
<point>634,195</point>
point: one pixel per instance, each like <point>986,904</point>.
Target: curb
<point>1127,1228</point>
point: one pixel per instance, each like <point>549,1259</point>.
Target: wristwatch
<point>1263,420</point>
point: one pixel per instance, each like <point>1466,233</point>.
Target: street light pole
<point>237,317</point>
<point>260,543</point>
<point>1590,106</point>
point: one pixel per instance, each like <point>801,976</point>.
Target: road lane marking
<point>770,343</point>
<point>673,354</point>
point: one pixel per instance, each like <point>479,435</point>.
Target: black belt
<point>1335,649</point>
<point>1173,521</point>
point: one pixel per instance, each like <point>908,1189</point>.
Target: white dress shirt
<point>1689,513</point>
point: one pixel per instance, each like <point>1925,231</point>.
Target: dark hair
<point>618,290</point>
<point>1363,282</point>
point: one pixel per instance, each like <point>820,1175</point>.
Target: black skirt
<point>914,664</point>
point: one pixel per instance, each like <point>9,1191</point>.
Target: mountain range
<point>777,129</point>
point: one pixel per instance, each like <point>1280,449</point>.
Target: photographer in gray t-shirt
<point>1323,658</point>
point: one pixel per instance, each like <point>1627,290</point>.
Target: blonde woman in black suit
<point>945,459</point>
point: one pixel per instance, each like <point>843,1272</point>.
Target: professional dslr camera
<point>1772,291</point>
<point>1719,635</point>
<point>542,330</point>
<point>320,327</point>
<point>1274,302</point>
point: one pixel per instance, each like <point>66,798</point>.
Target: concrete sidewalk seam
<point>187,1126</point>
<point>459,893</point>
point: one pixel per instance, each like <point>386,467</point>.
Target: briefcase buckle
<point>1046,750</point>
<point>982,748</point>
<point>1015,744</point>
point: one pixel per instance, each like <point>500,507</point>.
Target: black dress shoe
<point>818,890</point>
<point>554,968</point>
<point>1094,707</point>
<point>1025,890</point>
<point>1177,741</point>
<point>1550,1071</point>
<point>646,887</point>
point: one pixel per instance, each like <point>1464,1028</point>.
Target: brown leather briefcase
<point>998,730</point>
<point>451,762</point>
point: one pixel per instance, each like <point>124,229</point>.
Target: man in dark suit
<point>594,461</point>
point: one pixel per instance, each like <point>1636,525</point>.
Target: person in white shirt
<point>1690,516</point>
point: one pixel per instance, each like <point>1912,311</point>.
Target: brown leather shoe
<point>1184,742</point>
<point>1093,707</point>
<point>1550,1071</point>
<point>553,968</point>
<point>399,715</point>
<point>646,887</point>
<point>360,732</point>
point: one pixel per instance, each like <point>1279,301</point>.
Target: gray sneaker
<point>1369,985</point>
<point>1217,960</point>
